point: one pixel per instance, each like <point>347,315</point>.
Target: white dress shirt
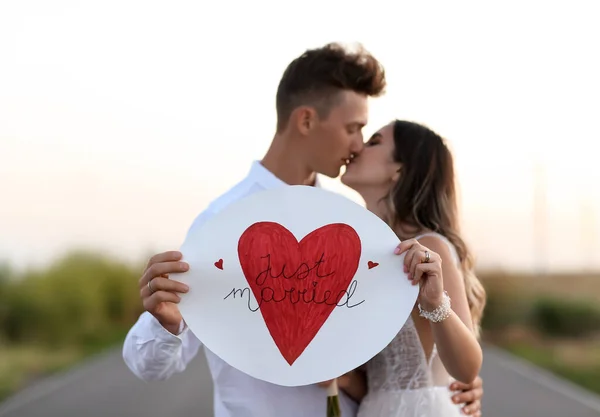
<point>153,353</point>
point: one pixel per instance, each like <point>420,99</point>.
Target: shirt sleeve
<point>152,352</point>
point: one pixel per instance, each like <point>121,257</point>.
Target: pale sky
<point>121,120</point>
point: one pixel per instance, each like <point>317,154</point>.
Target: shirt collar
<point>267,179</point>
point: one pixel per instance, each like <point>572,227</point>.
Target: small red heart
<point>372,264</point>
<point>219,264</point>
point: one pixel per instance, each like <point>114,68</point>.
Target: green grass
<point>54,317</point>
<point>551,321</point>
<point>19,365</point>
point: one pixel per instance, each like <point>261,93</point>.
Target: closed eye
<point>355,128</point>
<point>374,140</point>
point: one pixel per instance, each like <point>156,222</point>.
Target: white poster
<point>295,285</point>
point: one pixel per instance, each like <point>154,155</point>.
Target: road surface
<point>105,387</point>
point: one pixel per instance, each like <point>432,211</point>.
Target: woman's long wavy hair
<point>425,199</point>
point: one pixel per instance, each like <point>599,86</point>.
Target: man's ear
<point>305,119</point>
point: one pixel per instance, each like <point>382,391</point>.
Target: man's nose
<point>357,147</point>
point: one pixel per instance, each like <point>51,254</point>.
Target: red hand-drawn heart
<point>372,264</point>
<point>298,284</point>
<point>219,264</point>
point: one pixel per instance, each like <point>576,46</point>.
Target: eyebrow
<point>375,135</point>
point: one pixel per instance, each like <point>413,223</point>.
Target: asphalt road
<point>105,387</point>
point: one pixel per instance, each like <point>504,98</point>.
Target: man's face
<point>333,141</point>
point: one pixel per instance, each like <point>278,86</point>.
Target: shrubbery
<point>548,314</point>
<point>83,299</point>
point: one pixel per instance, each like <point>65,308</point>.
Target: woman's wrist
<point>436,311</point>
<point>431,304</point>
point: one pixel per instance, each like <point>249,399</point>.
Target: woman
<point>405,175</point>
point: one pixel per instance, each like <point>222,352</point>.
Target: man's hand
<point>470,395</point>
<point>159,293</point>
<point>353,383</point>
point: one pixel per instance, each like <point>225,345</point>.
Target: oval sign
<point>295,285</point>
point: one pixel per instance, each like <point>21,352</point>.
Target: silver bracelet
<point>441,313</point>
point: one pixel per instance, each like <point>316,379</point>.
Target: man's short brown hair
<point>317,75</point>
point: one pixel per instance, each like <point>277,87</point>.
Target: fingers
<point>412,247</point>
<point>163,284</point>
<point>416,258</point>
<point>162,269</point>
<point>468,397</point>
<point>413,256</point>
<point>422,270</point>
<point>461,386</point>
<point>420,257</point>
<point>409,259</point>
<point>150,303</point>
<point>405,245</point>
<point>473,409</point>
<point>418,268</point>
<point>468,412</point>
<point>169,256</point>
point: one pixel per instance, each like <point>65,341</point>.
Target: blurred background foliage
<point>83,303</point>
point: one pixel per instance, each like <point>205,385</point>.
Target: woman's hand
<point>424,267</point>
<point>451,324</point>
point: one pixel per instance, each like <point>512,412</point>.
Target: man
<point>321,110</point>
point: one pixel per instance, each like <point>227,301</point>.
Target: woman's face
<point>374,171</point>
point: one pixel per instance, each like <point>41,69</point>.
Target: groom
<point>321,109</point>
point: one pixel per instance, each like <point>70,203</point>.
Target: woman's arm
<point>456,343</point>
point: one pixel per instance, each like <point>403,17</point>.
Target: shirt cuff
<point>182,327</point>
<point>163,334</point>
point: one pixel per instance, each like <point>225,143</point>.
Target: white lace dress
<point>403,383</point>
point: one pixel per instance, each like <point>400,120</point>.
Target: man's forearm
<point>152,352</point>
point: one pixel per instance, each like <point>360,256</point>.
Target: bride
<point>405,175</point>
